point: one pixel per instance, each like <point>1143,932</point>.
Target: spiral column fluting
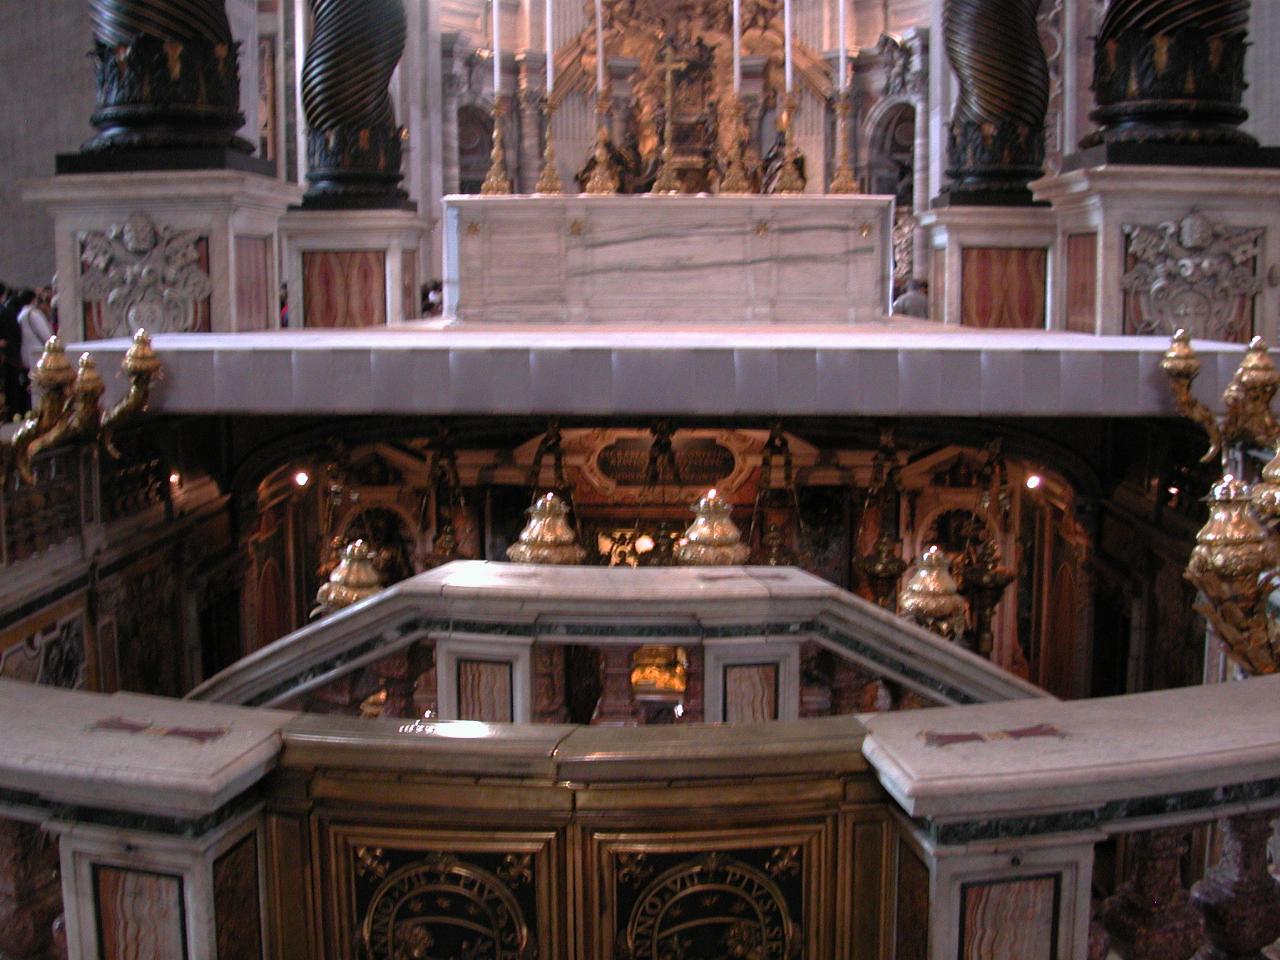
<point>996,140</point>
<point>168,76</point>
<point>1171,73</point>
<point>353,141</point>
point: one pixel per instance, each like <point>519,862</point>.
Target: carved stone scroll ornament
<point>1171,72</point>
<point>145,277</point>
<point>168,75</point>
<point>1194,274</point>
<point>996,142</point>
<point>353,142</point>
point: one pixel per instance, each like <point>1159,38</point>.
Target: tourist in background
<point>914,302</point>
<point>17,399</point>
<point>36,326</point>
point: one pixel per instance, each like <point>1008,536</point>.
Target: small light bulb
<point>302,478</point>
<point>1174,491</point>
<point>679,710</point>
<point>644,543</point>
<point>1034,481</point>
<point>175,478</point>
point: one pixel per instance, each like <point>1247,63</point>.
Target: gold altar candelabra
<point>1234,563</point>
<point>604,178</point>
<point>735,178</point>
<point>789,179</point>
<point>496,181</point>
<point>844,180</point>
<point>549,181</point>
<point>70,407</point>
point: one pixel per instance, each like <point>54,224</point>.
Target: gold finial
<point>53,371</point>
<point>713,539</point>
<point>140,359</point>
<point>931,597</point>
<point>496,182</point>
<point>89,384</point>
<point>548,537</point>
<point>355,578</point>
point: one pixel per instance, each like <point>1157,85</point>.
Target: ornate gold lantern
<point>713,539</point>
<point>982,582</point>
<point>355,578</point>
<point>548,537</point>
<point>931,598</point>
<point>659,674</point>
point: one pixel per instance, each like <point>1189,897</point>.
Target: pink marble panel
<point>1082,282</point>
<point>1010,920</point>
<point>484,691</point>
<point>253,272</point>
<point>1003,287</point>
<point>344,288</point>
<point>140,915</point>
<point>750,692</point>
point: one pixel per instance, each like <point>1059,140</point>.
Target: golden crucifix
<point>667,181</point>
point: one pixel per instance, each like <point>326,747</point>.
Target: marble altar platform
<point>664,259</point>
<point>901,368</point>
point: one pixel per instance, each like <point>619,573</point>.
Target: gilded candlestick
<point>496,182</point>
<point>789,179</point>
<point>549,181</point>
<point>604,178</point>
<point>844,180</point>
<point>735,178</point>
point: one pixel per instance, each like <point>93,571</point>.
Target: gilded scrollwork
<point>1193,274</point>
<point>145,275</point>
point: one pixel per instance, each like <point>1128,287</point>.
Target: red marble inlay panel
<point>484,691</point>
<point>140,915</point>
<point>253,270</point>
<point>237,920</point>
<point>1010,920</point>
<point>409,284</point>
<point>1003,287</point>
<point>750,693</point>
<point>1082,282</point>
<point>344,288</point>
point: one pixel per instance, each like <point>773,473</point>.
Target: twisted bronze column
<point>996,142</point>
<point>353,141</point>
<point>168,76</point>
<point>1171,73</point>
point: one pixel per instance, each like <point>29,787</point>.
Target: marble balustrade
<point>244,828</point>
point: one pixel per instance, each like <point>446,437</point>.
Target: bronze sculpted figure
<point>353,141</point>
<point>168,76</point>
<point>996,142</point>
<point>1171,72</point>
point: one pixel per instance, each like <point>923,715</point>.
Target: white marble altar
<point>660,259</point>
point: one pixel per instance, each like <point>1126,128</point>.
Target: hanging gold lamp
<point>547,537</point>
<point>713,539</point>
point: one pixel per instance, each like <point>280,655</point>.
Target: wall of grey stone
<point>46,97</point>
<point>1263,96</point>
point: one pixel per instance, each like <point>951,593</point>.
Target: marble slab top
<point>907,368</point>
<point>130,752</point>
<point>577,754</point>
<point>1029,757</point>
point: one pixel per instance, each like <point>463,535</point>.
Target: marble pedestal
<point>1134,260</point>
<point>353,268</point>
<point>990,266</point>
<point>225,221</point>
<point>679,259</point>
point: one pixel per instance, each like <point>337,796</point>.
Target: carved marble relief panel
<point>140,915</point>
<point>49,648</point>
<point>1192,273</point>
<point>140,274</point>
